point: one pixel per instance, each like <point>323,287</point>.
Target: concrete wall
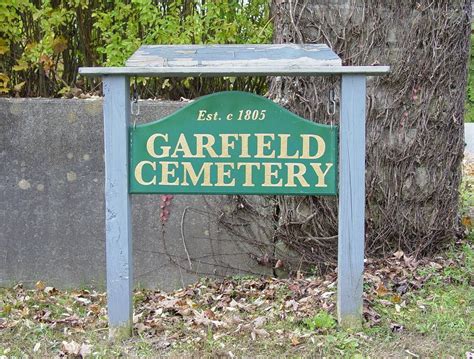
<point>52,223</point>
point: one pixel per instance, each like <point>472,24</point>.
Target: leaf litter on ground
<point>284,311</point>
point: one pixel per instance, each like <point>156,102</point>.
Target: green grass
<point>321,321</point>
<point>440,315</point>
<point>433,321</point>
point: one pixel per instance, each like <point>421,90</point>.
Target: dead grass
<point>414,308</point>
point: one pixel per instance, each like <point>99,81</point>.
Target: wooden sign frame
<point>262,60</point>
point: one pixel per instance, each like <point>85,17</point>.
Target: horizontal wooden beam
<point>228,56</point>
<point>234,71</point>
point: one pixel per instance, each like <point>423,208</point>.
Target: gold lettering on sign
<point>284,147</point>
<point>183,147</point>
<point>226,144</point>
<point>244,145</point>
<point>269,174</point>
<point>202,115</point>
<point>305,152</point>
<point>223,174</point>
<point>294,160</point>
<point>320,174</point>
<point>205,172</point>
<point>201,145</point>
<point>166,172</point>
<point>263,144</point>
<point>150,146</point>
<point>292,174</point>
<point>248,172</point>
<point>139,173</point>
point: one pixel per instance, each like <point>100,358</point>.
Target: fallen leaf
<point>71,347</point>
<point>295,341</point>
<point>136,318</point>
<point>381,290</point>
<point>371,316</point>
<point>396,298</point>
<point>50,290</point>
<point>262,333</point>
<point>436,265</point>
<point>162,344</point>
<point>209,314</point>
<point>396,328</point>
<point>25,312</point>
<point>40,285</point>
<point>201,319</point>
<point>259,322</point>
<point>170,303</point>
<point>401,287</point>
<point>141,327</point>
<point>94,308</point>
<point>81,300</point>
<point>326,295</point>
<point>467,222</point>
<point>293,304</point>
<point>410,262</point>
<point>399,254</point>
<point>85,350</point>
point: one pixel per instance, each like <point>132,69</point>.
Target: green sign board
<point>233,143</point>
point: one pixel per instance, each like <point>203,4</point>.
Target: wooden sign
<point>233,143</point>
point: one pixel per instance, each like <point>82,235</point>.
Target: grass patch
<point>321,321</point>
<point>436,320</point>
<point>256,317</point>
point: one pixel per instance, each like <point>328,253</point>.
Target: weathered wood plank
<point>117,202</point>
<point>351,200</point>
<point>280,70</point>
<point>262,56</point>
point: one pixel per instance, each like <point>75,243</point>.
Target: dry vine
<point>414,120</point>
<point>414,137</point>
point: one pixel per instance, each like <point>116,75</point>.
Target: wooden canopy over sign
<point>234,60</point>
<point>229,60</point>
<point>226,56</point>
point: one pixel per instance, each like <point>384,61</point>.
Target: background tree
<point>414,118</point>
<point>43,42</point>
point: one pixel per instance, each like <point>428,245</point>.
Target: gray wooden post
<point>351,201</point>
<point>117,203</point>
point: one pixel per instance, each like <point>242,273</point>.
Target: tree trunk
<point>414,123</point>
